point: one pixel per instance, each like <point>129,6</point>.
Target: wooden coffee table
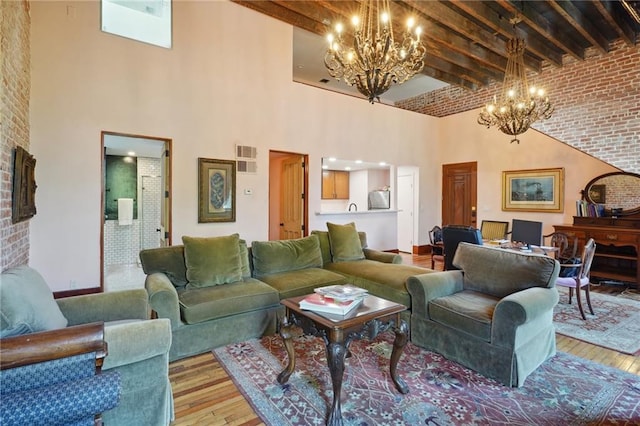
<point>373,316</point>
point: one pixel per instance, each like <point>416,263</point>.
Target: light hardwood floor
<point>205,395</point>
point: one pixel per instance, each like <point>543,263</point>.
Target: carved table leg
<point>398,346</point>
<point>336,352</point>
<point>286,332</point>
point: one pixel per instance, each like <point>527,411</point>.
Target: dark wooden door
<point>459,182</point>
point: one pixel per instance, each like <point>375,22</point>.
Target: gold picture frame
<point>536,190</point>
<point>216,190</point>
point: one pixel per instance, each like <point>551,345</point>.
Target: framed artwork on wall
<point>537,190</point>
<point>216,190</point>
<point>23,197</point>
<point>598,193</point>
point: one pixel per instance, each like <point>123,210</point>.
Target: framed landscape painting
<point>216,190</point>
<point>538,190</point>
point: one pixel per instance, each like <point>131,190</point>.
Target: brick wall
<point>15,23</point>
<point>597,104</point>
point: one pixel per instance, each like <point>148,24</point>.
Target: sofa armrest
<point>520,308</point>
<point>111,306</point>
<point>426,287</point>
<point>163,298</point>
<point>382,256</point>
<point>131,342</point>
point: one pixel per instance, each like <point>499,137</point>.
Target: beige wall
<point>467,141</point>
<point>226,81</point>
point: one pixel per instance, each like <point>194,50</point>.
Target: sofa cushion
<point>302,281</point>
<point>27,304</point>
<point>166,260</point>
<point>272,257</point>
<point>385,280</point>
<point>345,242</point>
<point>485,271</point>
<point>244,259</point>
<point>325,247</point>
<point>212,261</point>
<point>467,311</point>
<point>208,303</point>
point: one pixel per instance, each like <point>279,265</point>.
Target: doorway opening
<point>135,205</point>
<point>288,204</point>
<point>407,193</point>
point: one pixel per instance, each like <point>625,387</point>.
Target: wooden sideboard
<point>617,255</point>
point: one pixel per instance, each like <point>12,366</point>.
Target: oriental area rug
<point>615,325</point>
<point>564,390</point>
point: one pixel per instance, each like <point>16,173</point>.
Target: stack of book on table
<point>335,299</point>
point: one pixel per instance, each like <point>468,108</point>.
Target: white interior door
<point>405,213</point>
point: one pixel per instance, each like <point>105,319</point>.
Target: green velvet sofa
<point>204,287</point>
<point>238,307</point>
<point>381,273</point>
<point>138,348</point>
<point>494,315</point>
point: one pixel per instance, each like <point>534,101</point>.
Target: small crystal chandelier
<point>520,105</point>
<point>373,61</point>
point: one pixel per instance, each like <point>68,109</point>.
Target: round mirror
<point>618,191</point>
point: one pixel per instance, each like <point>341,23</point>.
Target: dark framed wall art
<point>23,196</point>
<point>216,190</point>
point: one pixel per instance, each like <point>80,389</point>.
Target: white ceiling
<point>352,165</point>
<point>123,145</point>
<point>308,67</point>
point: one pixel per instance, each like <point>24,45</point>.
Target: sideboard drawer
<point>613,237</point>
<point>580,235</point>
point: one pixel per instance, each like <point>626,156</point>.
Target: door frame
<point>470,194</point>
<point>274,177</point>
<point>166,185</point>
<point>413,174</point>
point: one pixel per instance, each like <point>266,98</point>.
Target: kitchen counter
<point>333,213</point>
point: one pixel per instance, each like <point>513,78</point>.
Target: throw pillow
<point>244,259</point>
<point>345,242</point>
<point>271,257</point>
<point>27,304</point>
<point>212,261</point>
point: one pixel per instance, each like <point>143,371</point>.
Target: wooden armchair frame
<point>33,348</point>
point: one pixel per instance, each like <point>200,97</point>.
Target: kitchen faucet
<point>354,205</point>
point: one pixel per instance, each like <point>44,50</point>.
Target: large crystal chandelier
<point>373,60</point>
<point>520,105</point>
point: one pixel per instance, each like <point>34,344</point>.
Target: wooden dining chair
<point>437,248</point>
<point>566,247</point>
<point>579,276</point>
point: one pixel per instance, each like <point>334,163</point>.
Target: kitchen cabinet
<point>335,185</point>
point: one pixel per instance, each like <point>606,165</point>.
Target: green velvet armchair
<point>494,315</point>
<point>138,348</point>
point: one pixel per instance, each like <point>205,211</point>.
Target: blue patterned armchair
<point>54,377</point>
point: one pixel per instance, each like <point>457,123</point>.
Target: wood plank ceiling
<point>466,40</point>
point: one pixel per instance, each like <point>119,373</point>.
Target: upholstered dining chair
<point>581,276</point>
<point>452,236</point>
<point>494,230</point>
<point>437,248</point>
